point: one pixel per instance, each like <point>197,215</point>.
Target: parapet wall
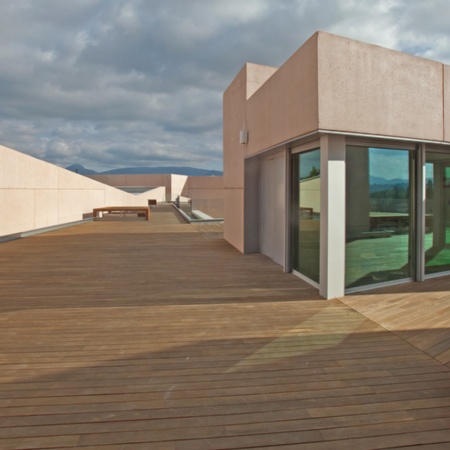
<point>35,194</point>
<point>206,192</point>
<point>129,180</point>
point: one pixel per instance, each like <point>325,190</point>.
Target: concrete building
<point>337,164</point>
<point>204,192</point>
<point>36,195</point>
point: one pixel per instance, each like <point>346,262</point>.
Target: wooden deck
<point>419,313</point>
<point>132,335</point>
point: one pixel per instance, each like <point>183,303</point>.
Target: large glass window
<point>437,213</point>
<point>379,215</point>
<point>306,214</point>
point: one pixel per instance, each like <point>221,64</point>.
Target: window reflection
<point>306,214</point>
<point>437,213</point>
<point>378,215</point>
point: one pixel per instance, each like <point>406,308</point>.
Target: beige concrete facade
<point>246,83</point>
<point>206,192</point>
<point>35,194</point>
<point>138,180</point>
<point>286,105</point>
<point>368,89</point>
<point>331,93</point>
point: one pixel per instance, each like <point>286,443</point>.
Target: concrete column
<point>332,216</point>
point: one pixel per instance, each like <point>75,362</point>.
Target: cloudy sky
<point>120,83</point>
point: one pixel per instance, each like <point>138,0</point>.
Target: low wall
<point>130,180</point>
<point>206,192</point>
<point>35,194</point>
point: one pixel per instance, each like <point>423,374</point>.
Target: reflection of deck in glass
<point>377,260</point>
<point>437,259</point>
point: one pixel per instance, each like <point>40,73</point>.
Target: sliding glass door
<point>305,229</point>
<point>437,212</point>
<point>379,215</point>
<point>383,233</point>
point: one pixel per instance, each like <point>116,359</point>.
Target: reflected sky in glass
<point>309,160</point>
<point>388,163</point>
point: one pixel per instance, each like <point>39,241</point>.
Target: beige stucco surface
<point>234,213</point>
<point>447,103</point>
<point>35,194</point>
<point>274,105</point>
<point>132,179</point>
<point>368,89</point>
<point>206,194</point>
<point>234,106</point>
<point>205,191</point>
<point>177,184</point>
<point>235,118</point>
<point>286,105</point>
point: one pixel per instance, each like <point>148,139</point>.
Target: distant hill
<point>379,180</point>
<point>191,171</point>
<point>158,170</point>
<point>78,168</point>
<point>378,184</point>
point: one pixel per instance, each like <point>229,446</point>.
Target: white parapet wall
<point>35,194</point>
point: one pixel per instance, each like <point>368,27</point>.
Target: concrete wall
<point>286,105</point>
<point>335,83</point>
<point>178,182</point>
<point>368,89</point>
<point>206,194</point>
<point>245,84</point>
<point>155,180</point>
<point>157,193</point>
<point>274,105</point>
<point>35,194</point>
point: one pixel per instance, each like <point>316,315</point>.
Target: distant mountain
<point>384,181</point>
<point>191,171</point>
<point>378,184</point>
<point>78,168</point>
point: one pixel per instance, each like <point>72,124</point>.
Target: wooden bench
<point>123,209</point>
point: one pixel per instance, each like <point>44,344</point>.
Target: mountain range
<point>191,171</point>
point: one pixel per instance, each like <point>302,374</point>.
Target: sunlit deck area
<point>128,334</point>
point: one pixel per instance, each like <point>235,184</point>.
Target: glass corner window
<point>305,196</point>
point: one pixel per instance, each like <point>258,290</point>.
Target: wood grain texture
<point>129,335</point>
<point>419,313</point>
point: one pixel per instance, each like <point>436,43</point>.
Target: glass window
<point>306,214</point>
<point>437,213</point>
<point>379,215</point>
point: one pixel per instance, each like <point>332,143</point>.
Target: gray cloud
<point>110,83</point>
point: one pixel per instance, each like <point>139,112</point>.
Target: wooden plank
<point>422,318</point>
